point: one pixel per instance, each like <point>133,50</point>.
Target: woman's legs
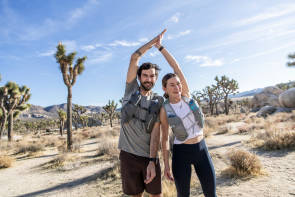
<point>205,170</point>
<point>181,169</point>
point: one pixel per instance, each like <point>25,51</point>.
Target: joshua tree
<point>292,58</point>
<point>110,109</point>
<point>228,87</point>
<point>197,96</point>
<point>77,113</point>
<point>208,95</point>
<point>62,118</point>
<point>13,100</point>
<point>84,120</point>
<point>69,74</point>
<point>217,96</point>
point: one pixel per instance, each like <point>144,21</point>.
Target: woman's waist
<point>194,140</point>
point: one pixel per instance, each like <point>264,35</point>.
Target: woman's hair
<point>165,79</point>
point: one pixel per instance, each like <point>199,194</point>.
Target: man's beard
<point>145,88</point>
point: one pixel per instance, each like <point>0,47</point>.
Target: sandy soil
<point>84,177</point>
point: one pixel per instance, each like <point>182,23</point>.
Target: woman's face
<point>173,88</point>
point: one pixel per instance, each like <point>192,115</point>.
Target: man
<point>140,128</point>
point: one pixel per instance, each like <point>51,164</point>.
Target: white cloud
<point>270,13</point>
<point>79,13</point>
<point>124,43</point>
<point>153,54</point>
<point>100,57</point>
<point>88,47</point>
<point>235,60</point>
<point>47,53</point>
<point>16,26</point>
<point>174,18</point>
<point>143,40</point>
<point>180,34</point>
<point>204,61</point>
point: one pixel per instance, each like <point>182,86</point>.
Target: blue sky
<point>246,40</point>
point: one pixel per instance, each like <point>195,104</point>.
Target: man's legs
<point>131,176</point>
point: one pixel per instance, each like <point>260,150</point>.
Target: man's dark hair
<point>146,66</point>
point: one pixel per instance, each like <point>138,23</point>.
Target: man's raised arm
<point>133,66</point>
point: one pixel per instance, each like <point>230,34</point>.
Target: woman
<point>185,118</point>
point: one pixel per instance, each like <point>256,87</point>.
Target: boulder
<point>266,110</point>
<point>284,109</point>
<point>287,98</point>
<point>268,96</point>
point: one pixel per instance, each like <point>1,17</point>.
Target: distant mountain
<point>246,93</point>
<point>38,112</point>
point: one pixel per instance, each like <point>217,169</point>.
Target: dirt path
<point>279,166</point>
<point>28,177</point>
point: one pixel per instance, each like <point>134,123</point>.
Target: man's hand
<point>159,39</point>
<point>150,173</point>
<point>167,174</point>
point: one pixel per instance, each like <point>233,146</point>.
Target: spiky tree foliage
<point>77,113</point>
<point>110,109</point>
<point>3,111</point>
<point>62,118</point>
<point>13,100</point>
<point>217,96</point>
<point>228,87</point>
<point>84,120</point>
<point>208,96</point>
<point>69,74</point>
<point>292,58</point>
<point>198,96</point>
<point>102,116</point>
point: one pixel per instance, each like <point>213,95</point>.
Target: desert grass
<point>276,134</point>
<point>109,148</point>
<point>5,161</point>
<point>223,130</point>
<point>243,164</point>
<point>50,141</point>
<point>65,161</point>
<point>30,147</point>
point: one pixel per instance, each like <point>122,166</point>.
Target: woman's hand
<point>158,39</point>
<point>167,173</point>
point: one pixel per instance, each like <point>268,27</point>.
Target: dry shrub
<point>223,130</point>
<point>29,147</point>
<point>168,188</point>
<point>243,129</point>
<point>109,148</point>
<point>243,164</point>
<point>277,139</point>
<point>282,117</point>
<point>275,136</point>
<point>210,126</point>
<point>76,146</point>
<point>7,146</point>
<point>249,128</point>
<point>5,161</point>
<point>63,161</point>
<point>112,172</point>
<point>50,141</point>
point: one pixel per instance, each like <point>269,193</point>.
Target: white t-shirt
<point>183,111</point>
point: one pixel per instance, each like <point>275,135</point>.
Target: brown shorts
<point>133,174</point>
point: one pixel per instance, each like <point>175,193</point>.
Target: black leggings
<point>197,154</point>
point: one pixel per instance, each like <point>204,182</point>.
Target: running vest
<point>132,109</point>
<point>176,123</point>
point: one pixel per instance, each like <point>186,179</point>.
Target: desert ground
<point>39,165</point>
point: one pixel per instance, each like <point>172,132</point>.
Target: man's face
<point>148,79</point>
